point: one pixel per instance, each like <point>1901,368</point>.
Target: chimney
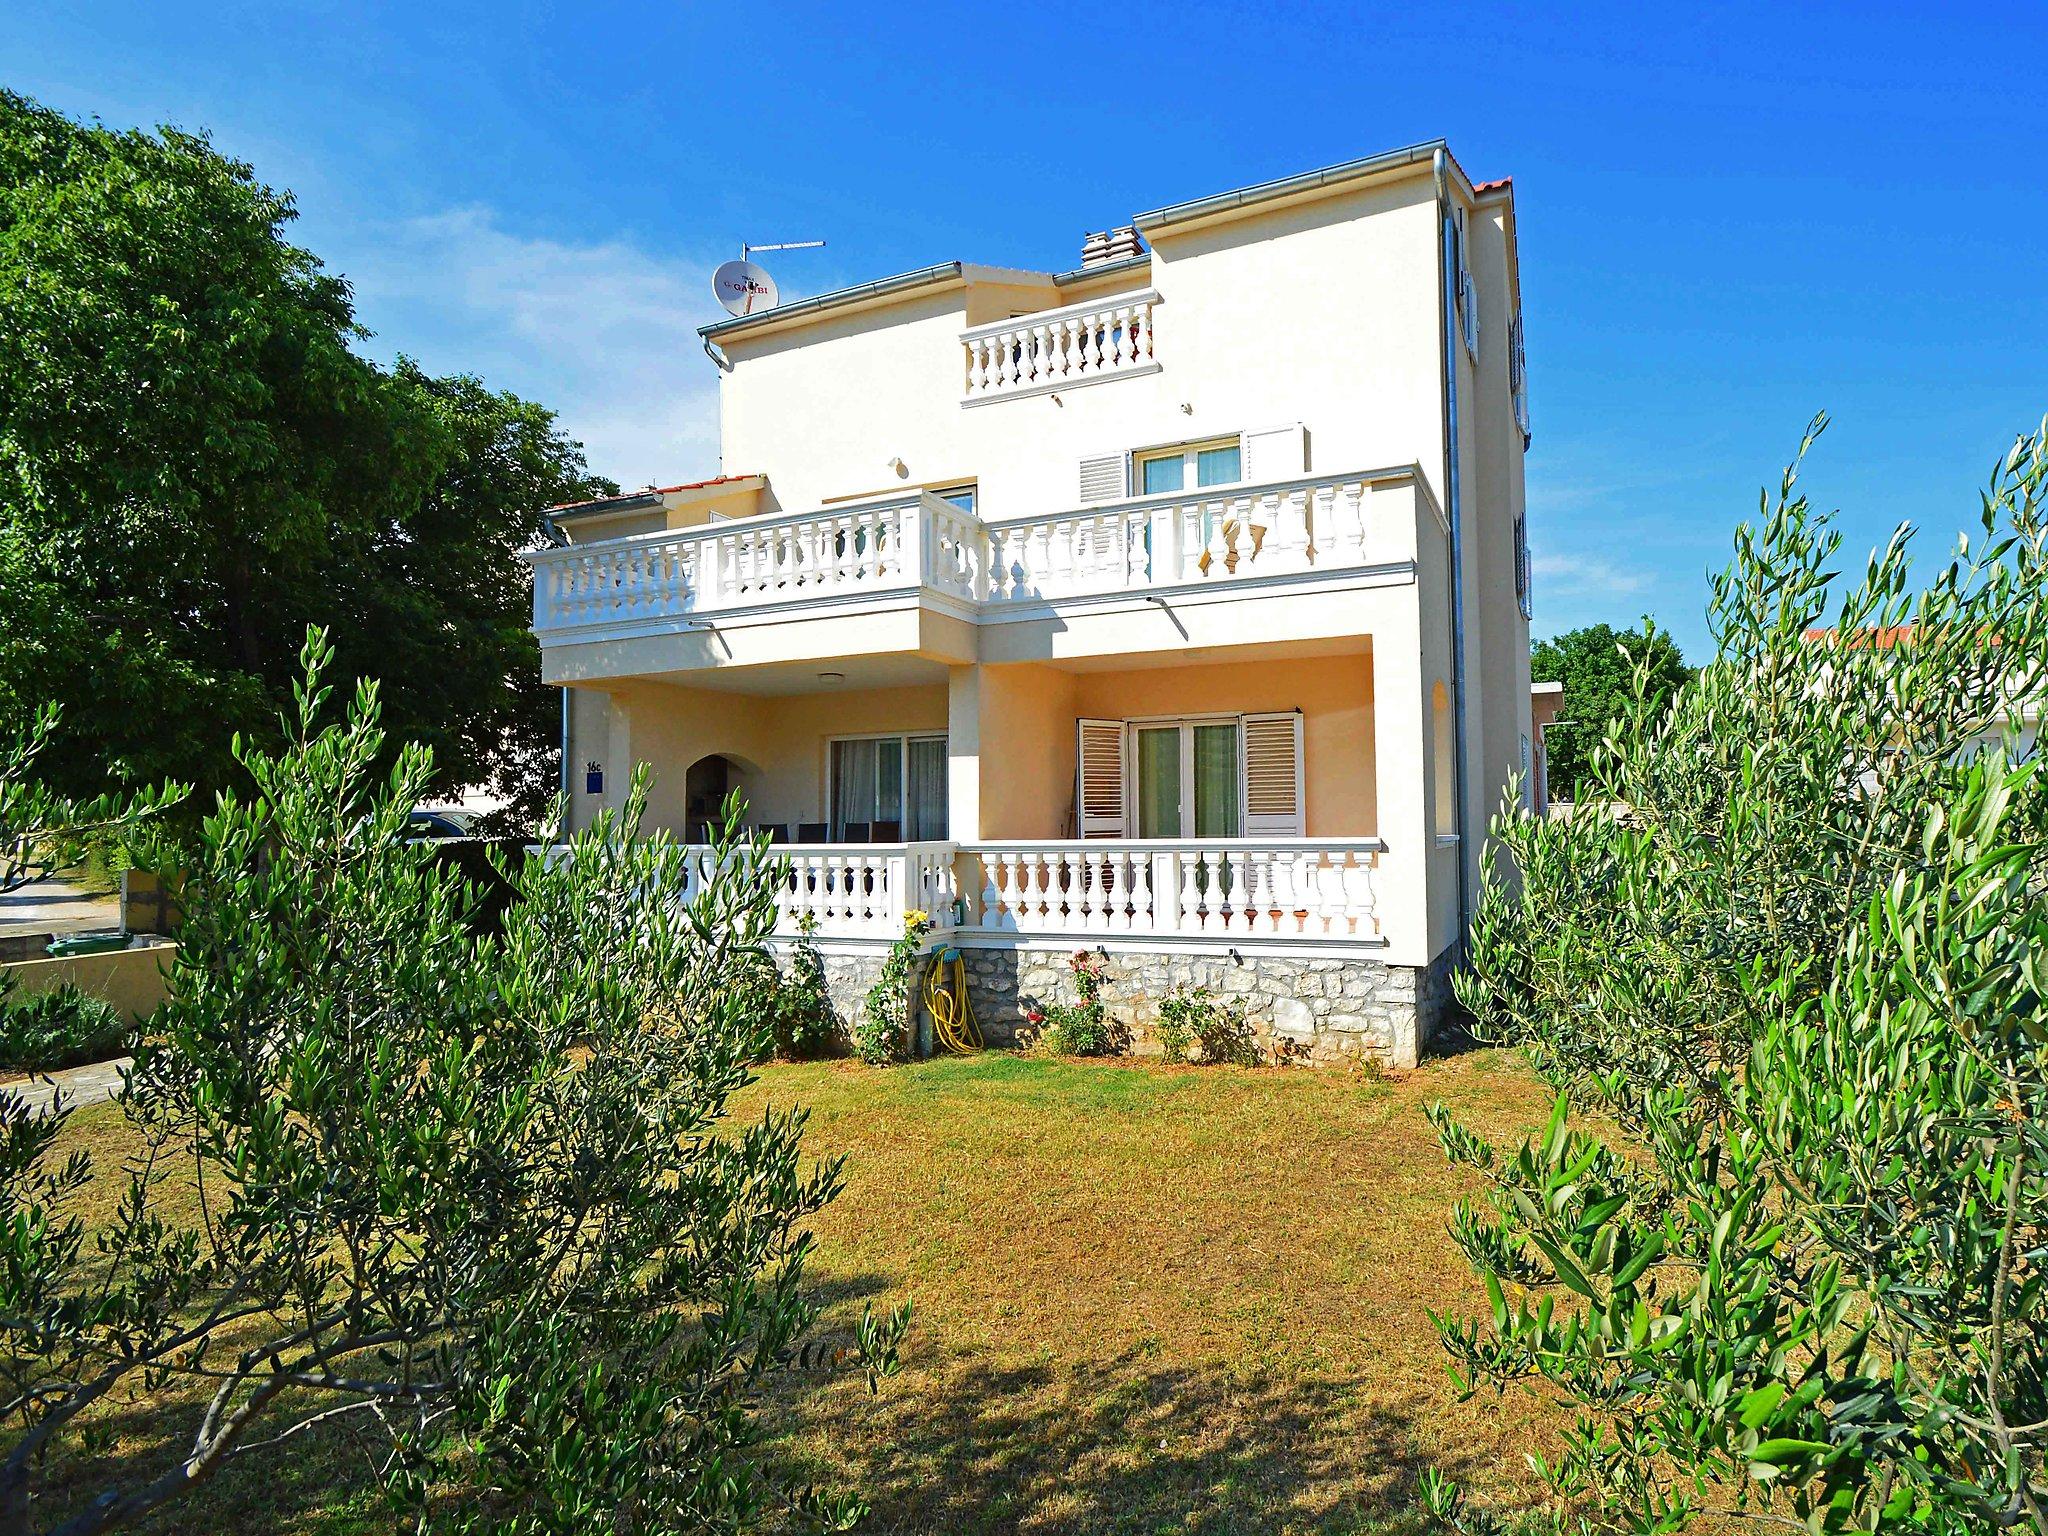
<point>1102,246</point>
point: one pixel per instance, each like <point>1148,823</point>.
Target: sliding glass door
<point>888,789</point>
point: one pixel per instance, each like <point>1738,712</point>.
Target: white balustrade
<point>918,541</point>
<point>1056,348</point>
<point>849,890</point>
<point>1299,889</point>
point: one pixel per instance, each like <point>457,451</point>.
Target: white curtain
<point>854,776</point>
<point>927,797</point>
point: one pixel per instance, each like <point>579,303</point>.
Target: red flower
<point>1035,1016</point>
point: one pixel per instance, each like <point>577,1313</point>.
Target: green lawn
<point>1148,1299</point>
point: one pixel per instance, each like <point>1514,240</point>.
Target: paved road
<point>79,1085</point>
<point>58,905</point>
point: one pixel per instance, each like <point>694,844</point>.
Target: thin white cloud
<point>1586,575</point>
<point>604,333</point>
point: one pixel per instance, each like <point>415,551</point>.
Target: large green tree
<point>195,463</point>
<point>1596,664</point>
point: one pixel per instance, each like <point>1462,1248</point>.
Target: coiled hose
<point>945,999</point>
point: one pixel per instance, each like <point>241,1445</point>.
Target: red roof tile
<point>652,490</point>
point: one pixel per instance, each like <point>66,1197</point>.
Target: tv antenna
<point>745,288</point>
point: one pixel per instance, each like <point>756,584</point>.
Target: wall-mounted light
<point>898,468</point>
<point>831,679</point>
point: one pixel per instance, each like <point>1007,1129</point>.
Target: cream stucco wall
<point>1028,715</point>
<point>1320,314</point>
<point>779,745</point>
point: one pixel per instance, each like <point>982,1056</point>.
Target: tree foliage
<point>1597,665</point>
<point>1799,967</point>
<point>475,1193</point>
<point>194,464</point>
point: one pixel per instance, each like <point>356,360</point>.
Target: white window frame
<point>1187,724</point>
<point>971,489</point>
<point>903,739</point>
<point>1189,453</point>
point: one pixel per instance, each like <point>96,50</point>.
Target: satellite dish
<point>743,288</point>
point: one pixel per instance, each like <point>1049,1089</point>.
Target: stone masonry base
<point>1327,1010</point>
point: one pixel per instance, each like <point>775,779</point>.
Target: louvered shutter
<point>1272,776</point>
<point>1276,453</point>
<point>1103,479</point>
<point>1099,778</point>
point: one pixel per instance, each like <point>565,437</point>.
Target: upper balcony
<point>1035,354</point>
<point>1010,588</point>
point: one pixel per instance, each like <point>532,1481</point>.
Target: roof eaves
<point>1103,269</point>
<point>1287,186</point>
<point>881,287</point>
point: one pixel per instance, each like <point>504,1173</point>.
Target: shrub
<point>882,1034</point>
<point>805,1026</point>
<point>1197,1025</point>
<point>474,1192</point>
<point>1799,964</point>
<point>1082,1028</point>
<point>63,1027</point>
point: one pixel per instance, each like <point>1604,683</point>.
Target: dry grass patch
<point>1149,1299</point>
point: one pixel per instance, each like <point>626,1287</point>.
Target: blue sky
<point>1729,220</point>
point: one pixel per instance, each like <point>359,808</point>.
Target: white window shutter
<point>1103,479</point>
<point>1276,453</point>
<point>1273,796</point>
<point>1468,303</point>
<point>1099,778</point>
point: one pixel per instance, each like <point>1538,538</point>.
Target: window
<point>1198,776</point>
<point>1188,778</point>
<point>1467,294</point>
<point>962,496</point>
<point>898,781</point>
<point>1190,465</point>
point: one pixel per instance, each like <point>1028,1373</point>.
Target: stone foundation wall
<point>1318,1010</point>
<point>1321,1010</point>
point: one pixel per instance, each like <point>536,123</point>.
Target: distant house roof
<point>1880,639</point>
<point>647,496</point>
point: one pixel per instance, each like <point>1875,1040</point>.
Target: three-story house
<point>1175,605</point>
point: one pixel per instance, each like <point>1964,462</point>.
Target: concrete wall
<point>131,979</point>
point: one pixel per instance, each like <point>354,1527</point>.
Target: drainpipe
<point>1447,360</point>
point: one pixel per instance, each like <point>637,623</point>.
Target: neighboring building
<point>1109,607</point>
<point>2014,727</point>
<point>1545,700</point>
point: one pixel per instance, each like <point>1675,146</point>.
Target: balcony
<point>1315,892</point>
<point>1053,349</point>
<point>917,548</point>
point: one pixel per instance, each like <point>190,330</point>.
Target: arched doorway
<point>709,780</point>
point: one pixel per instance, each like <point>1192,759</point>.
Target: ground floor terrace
<point>1264,820</point>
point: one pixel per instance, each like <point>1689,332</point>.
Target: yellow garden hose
<point>945,999</point>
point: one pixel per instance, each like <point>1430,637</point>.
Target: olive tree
<point>1794,1269</point>
<point>476,1192</point>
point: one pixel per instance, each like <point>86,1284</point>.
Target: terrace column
<point>963,753</point>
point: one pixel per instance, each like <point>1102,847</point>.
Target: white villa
<point>1174,606</point>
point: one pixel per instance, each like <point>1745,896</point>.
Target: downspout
<point>1447,360</point>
